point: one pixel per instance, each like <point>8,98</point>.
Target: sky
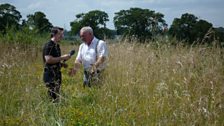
<point>62,12</point>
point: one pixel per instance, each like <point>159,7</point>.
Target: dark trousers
<point>52,79</point>
<point>53,90</point>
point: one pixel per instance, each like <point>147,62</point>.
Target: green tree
<point>140,23</point>
<point>189,28</point>
<point>200,29</point>
<point>9,17</point>
<point>219,33</point>
<point>38,22</point>
<point>95,19</point>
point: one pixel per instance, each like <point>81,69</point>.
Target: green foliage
<point>219,32</point>
<point>25,36</point>
<point>140,23</point>
<point>9,17</point>
<point>38,23</point>
<point>188,28</point>
<point>201,28</point>
<point>95,19</point>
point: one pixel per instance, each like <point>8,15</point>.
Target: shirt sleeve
<point>102,49</point>
<point>79,56</point>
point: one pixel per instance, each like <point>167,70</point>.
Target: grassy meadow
<point>144,84</point>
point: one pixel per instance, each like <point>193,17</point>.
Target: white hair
<point>87,29</point>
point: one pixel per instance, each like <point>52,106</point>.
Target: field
<point>144,84</point>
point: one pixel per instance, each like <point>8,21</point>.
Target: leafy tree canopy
<point>96,19</point>
<point>9,17</point>
<point>140,23</point>
<point>38,22</point>
<point>189,28</point>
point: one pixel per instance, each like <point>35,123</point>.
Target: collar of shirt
<point>93,42</point>
<point>54,43</point>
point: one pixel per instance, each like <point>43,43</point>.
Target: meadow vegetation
<point>145,84</point>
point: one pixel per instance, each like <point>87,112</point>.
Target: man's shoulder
<point>81,45</point>
<point>49,43</point>
<point>99,41</point>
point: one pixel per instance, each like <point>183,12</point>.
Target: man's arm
<point>52,60</point>
<point>102,54</point>
<point>99,61</point>
<point>76,67</point>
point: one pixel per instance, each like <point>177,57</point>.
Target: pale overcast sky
<point>62,12</point>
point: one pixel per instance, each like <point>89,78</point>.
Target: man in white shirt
<point>92,54</point>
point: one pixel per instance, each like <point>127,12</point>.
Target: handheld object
<point>72,52</point>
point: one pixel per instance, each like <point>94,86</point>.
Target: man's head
<point>57,33</point>
<point>86,34</point>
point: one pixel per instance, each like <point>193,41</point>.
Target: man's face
<point>86,37</point>
<point>59,36</point>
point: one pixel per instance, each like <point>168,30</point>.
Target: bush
<point>25,36</point>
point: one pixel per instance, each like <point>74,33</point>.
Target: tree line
<point>138,23</point>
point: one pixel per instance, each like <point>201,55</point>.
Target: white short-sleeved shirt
<point>87,54</point>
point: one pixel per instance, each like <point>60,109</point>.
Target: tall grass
<point>144,84</point>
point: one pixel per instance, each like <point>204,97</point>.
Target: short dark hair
<point>55,30</point>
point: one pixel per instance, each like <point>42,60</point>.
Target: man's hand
<point>73,71</point>
<point>93,69</point>
<point>52,60</point>
<point>66,57</point>
<point>64,65</point>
